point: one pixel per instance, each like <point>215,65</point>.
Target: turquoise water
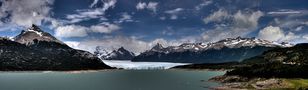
<point>109,80</point>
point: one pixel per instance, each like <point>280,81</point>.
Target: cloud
<point>141,6</point>
<point>71,31</point>
<point>125,17</point>
<point>299,28</point>
<point>150,6</point>
<point>291,37</point>
<point>271,33</point>
<point>228,24</point>
<point>72,44</point>
<point>110,43</point>
<point>93,3</point>
<point>82,31</point>
<point>86,14</point>
<point>305,37</point>
<point>217,16</point>
<point>104,28</point>
<point>173,13</point>
<point>289,19</point>
<point>284,12</point>
<point>25,13</point>
<point>203,4</point>
<point>277,34</point>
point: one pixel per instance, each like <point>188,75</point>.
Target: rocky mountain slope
<point>291,55</point>
<point>34,49</point>
<point>230,49</point>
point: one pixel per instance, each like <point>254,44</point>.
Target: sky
<point>137,25</point>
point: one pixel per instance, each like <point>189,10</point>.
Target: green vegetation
<point>297,83</point>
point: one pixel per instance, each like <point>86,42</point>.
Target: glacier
<point>127,64</point>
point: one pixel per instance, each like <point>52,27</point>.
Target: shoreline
<point>237,82</point>
<point>116,70</point>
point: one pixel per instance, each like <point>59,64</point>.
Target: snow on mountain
<point>229,42</point>
<point>35,33</point>
<point>119,54</point>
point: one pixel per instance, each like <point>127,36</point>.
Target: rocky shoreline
<point>237,82</point>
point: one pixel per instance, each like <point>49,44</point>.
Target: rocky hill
<point>34,49</point>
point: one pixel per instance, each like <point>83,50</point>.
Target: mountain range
<point>119,54</point>
<point>227,50</point>
<point>34,49</point>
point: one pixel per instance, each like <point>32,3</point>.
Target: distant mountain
<point>227,50</point>
<point>34,49</point>
<point>120,54</point>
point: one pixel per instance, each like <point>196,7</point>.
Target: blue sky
<point>139,24</point>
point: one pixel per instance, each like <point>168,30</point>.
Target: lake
<point>109,80</point>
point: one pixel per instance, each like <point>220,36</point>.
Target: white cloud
<point>305,37</point>
<point>141,5</point>
<point>94,3</point>
<point>86,14</point>
<point>271,33</point>
<point>203,4</point>
<point>150,6</point>
<point>277,34</point>
<point>104,28</point>
<point>72,44</point>
<point>112,43</point>
<point>25,13</point>
<point>299,28</point>
<point>217,16</point>
<point>173,17</point>
<point>71,31</point>
<point>162,18</point>
<point>133,44</point>
<point>82,31</point>
<point>173,13</point>
<point>291,37</point>
<point>231,24</point>
<point>125,17</point>
<point>284,12</point>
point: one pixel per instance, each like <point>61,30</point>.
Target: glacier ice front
<point>141,65</point>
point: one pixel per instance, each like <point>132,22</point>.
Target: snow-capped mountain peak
<point>229,43</point>
<point>119,54</point>
<point>35,33</point>
<point>157,47</point>
<point>240,42</point>
<point>36,30</point>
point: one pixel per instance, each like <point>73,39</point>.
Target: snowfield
<point>127,64</point>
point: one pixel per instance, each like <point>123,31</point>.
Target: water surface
<point>109,80</point>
